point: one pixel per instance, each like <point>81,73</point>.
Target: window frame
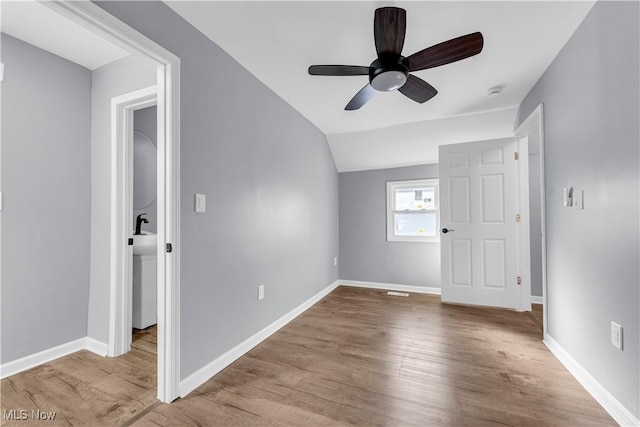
<point>392,188</point>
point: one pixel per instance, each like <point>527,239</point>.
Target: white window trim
<point>392,186</point>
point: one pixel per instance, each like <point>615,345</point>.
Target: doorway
<point>532,128</point>
<point>145,217</point>
<point>100,22</point>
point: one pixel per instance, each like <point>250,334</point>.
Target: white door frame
<point>535,121</point>
<point>523,244</point>
<point>122,110</point>
<point>100,22</point>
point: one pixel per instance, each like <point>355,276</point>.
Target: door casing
<point>535,122</point>
<point>100,22</point>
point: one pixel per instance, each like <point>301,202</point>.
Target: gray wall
<point>145,121</point>
<point>535,225</point>
<point>118,78</point>
<point>591,110</point>
<point>271,187</point>
<point>365,253</point>
<point>46,186</point>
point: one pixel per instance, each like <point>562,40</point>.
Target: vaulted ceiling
<point>278,40</point>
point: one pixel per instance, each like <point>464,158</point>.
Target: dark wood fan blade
<point>389,27</point>
<point>361,98</point>
<point>446,52</point>
<point>417,89</point>
<point>338,70</point>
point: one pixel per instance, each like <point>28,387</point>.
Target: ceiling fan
<point>390,71</point>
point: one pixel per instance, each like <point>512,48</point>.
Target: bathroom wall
<point>45,164</point>
<point>118,78</point>
<point>271,187</point>
<point>365,253</point>
<point>145,121</point>
<point>591,97</point>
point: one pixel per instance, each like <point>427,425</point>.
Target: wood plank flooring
<point>145,339</point>
<point>358,357</point>
<point>83,389</point>
<point>536,315</point>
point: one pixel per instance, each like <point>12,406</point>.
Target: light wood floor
<point>83,389</point>
<point>145,339</point>
<point>360,357</point>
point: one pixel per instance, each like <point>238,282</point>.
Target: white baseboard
<point>199,377</point>
<point>432,290</point>
<point>95,346</point>
<point>608,402</point>
<point>46,356</point>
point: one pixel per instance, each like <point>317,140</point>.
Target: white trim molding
<point>102,23</point>
<point>199,377</point>
<point>98,347</point>
<point>604,398</point>
<point>535,122</point>
<point>120,307</point>
<point>431,290</point>
<point>45,356</point>
<point>537,300</point>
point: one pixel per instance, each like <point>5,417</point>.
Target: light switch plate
<point>578,199</point>
<point>201,202</point>
<point>616,335</point>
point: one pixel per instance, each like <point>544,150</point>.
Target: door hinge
<point>519,280</point>
<point>517,217</point>
<point>516,155</point>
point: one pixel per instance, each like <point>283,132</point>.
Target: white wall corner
<point>431,290</point>
<point>20,365</point>
<point>203,374</point>
<point>604,398</point>
<point>98,347</point>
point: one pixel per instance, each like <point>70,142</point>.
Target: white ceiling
<point>40,26</point>
<point>277,41</point>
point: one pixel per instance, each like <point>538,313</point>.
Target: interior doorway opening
<point>532,128</point>
<point>103,24</point>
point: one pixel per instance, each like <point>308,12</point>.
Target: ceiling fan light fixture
<point>389,80</point>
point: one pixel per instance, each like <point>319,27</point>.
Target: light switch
<point>578,199</point>
<point>201,202</point>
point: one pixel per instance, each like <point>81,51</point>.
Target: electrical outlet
<point>335,260</point>
<point>260,292</point>
<point>616,335</point>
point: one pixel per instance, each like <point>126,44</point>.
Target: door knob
<point>446,230</point>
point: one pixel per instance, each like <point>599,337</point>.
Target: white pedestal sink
<point>144,280</point>
<point>145,244</point>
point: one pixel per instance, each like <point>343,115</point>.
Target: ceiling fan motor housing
<point>388,75</point>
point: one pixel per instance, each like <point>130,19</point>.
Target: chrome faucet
<point>139,221</point>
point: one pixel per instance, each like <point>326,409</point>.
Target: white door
<point>478,184</point>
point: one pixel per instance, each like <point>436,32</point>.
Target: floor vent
<point>398,294</point>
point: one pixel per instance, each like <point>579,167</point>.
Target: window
<point>412,211</point>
